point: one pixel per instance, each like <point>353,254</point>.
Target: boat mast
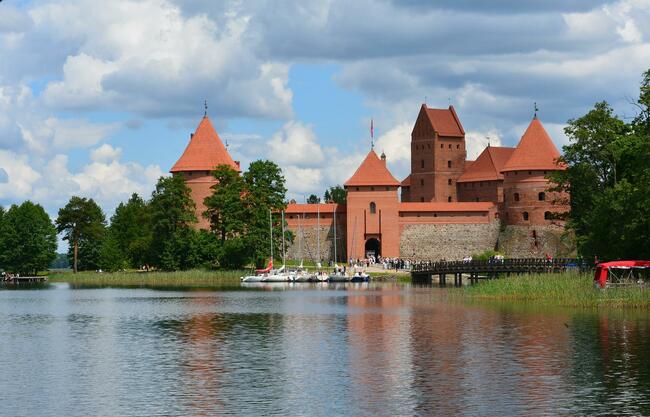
<point>334,235</point>
<point>318,231</point>
<point>300,237</point>
<point>284,254</point>
<point>271,228</point>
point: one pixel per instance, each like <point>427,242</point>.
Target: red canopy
<point>602,268</point>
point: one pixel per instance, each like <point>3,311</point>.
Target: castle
<point>447,208</point>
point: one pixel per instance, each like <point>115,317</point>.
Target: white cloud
<point>295,144</point>
<point>475,142</point>
<point>105,153</point>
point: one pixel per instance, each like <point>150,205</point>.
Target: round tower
<point>527,199</point>
<point>201,156</point>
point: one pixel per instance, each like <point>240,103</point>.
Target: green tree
<point>336,194</point>
<point>83,224</point>
<point>608,178</point>
<point>131,229</point>
<point>265,192</point>
<point>111,257</point>
<point>172,217</point>
<point>27,239</point>
<point>313,199</point>
<point>225,206</point>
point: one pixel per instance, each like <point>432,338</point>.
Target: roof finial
<point>205,105</point>
<point>488,140</point>
<point>449,101</point>
<point>227,143</point>
<point>383,155</point>
<point>536,109</point>
<point>372,134</point>
<point>425,100</point>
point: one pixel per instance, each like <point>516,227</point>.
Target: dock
<point>474,271</point>
<point>23,280</point>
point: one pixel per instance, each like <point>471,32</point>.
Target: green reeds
<point>567,289</point>
<point>179,279</point>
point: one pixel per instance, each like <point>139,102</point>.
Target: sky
<point>98,99</point>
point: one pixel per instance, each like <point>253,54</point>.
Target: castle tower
<point>204,152</point>
<point>527,200</point>
<point>372,210</point>
<point>437,156</point>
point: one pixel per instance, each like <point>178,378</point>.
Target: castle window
<point>449,181</point>
<point>189,173</point>
<point>448,164</point>
<point>450,146</point>
<point>373,208</point>
<point>435,214</point>
<point>541,196</point>
<point>422,199</point>
<point>442,146</point>
<point>372,188</point>
<point>516,196</point>
<point>422,163</point>
<point>477,199</point>
<point>529,172</point>
<point>525,215</point>
<point>357,188</point>
<point>457,146</point>
<point>449,199</point>
<point>547,215</point>
<point>422,183</point>
<point>387,188</point>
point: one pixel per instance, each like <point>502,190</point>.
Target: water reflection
<point>314,350</point>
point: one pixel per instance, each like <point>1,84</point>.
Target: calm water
<point>384,350</point>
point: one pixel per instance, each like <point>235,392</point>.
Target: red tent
<point>602,269</point>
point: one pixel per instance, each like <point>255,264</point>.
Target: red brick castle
<point>448,207</point>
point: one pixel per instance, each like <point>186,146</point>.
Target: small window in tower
<point>516,196</point>
<point>547,215</point>
<point>449,199</point>
<point>372,188</point>
<point>449,181</point>
<point>515,172</point>
<point>442,146</point>
<point>530,172</point>
<point>422,163</point>
<point>189,173</point>
<point>435,214</point>
<point>457,146</point>
<point>477,199</point>
<point>448,164</point>
<point>373,208</point>
<point>422,199</point>
<point>422,183</point>
<point>541,196</point>
<point>525,216</point>
<point>357,188</point>
<point>387,188</point>
<point>429,145</point>
<point>450,146</point>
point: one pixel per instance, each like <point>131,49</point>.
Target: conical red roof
<point>535,151</point>
<point>488,165</point>
<point>372,171</point>
<point>205,151</point>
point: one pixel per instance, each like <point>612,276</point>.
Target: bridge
<point>424,272</point>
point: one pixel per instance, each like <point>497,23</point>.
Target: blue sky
<point>98,99</point>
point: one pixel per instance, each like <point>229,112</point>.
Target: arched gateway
<point>373,247</point>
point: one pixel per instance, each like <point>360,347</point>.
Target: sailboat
<point>280,275</point>
<point>267,274</point>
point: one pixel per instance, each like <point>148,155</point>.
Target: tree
<point>225,206</point>
<point>313,199</point>
<point>608,178</point>
<point>336,194</point>
<point>172,217</point>
<point>111,257</point>
<point>83,223</point>
<point>27,239</point>
<point>131,229</point>
<point>265,192</point>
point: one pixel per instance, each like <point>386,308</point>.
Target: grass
<point>180,279</point>
<point>568,289</point>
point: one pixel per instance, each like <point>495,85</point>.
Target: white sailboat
<point>282,274</point>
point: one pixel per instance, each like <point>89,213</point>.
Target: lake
<point>307,350</point>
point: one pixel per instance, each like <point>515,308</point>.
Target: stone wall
<point>447,241</point>
<point>310,244</point>
<point>536,242</point>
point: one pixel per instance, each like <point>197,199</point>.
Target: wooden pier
<point>476,270</point>
<point>22,280</point>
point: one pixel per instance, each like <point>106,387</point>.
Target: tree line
<point>157,233</point>
<point>608,180</point>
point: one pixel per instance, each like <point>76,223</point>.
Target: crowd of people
<point>385,263</point>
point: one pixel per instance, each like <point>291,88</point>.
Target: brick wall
<point>447,241</point>
<point>309,235</point>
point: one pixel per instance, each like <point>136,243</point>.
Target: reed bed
<point>179,279</point>
<point>567,289</point>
